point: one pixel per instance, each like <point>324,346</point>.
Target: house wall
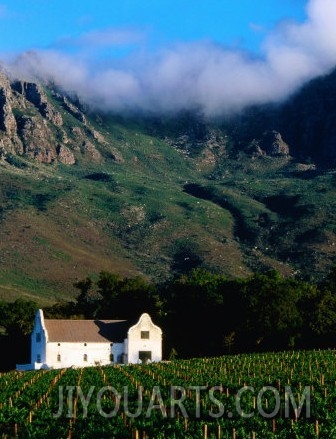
<point>72,354</point>
<point>137,344</point>
<point>38,341</point>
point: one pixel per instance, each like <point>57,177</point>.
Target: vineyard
<point>268,395</point>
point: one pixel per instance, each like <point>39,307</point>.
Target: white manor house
<point>56,343</point>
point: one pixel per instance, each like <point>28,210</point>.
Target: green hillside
<point>150,196</point>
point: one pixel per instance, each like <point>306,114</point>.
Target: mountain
<point>306,122</point>
<point>83,191</point>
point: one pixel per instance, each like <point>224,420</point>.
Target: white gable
<point>144,341</point>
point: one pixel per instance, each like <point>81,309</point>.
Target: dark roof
<point>90,331</point>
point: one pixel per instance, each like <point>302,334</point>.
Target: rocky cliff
<point>41,124</point>
<point>302,127</point>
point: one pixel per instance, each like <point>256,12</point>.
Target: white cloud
<point>104,38</point>
<point>257,27</point>
<point>199,75</point>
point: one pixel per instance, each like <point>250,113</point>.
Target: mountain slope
<point>83,192</point>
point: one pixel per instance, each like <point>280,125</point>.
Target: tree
<point>18,317</point>
<point>84,287</point>
<point>173,354</point>
<point>84,301</point>
<point>109,285</point>
<point>323,319</point>
<point>273,312</point>
<point>194,305</point>
<point>229,340</point>
<point>140,294</point>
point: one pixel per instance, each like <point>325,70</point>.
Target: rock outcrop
<point>32,125</point>
<point>66,156</point>
<point>37,139</point>
<point>72,109</point>
<point>306,122</point>
<point>9,140</point>
<point>35,94</point>
<point>274,145</point>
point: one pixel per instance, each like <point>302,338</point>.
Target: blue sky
<point>40,24</point>
<point>216,56</point>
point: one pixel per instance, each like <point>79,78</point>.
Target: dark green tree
<point>18,317</point>
<point>273,313</point>
<point>85,302</point>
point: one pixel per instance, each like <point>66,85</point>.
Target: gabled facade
<point>144,341</point>
<point>57,344</point>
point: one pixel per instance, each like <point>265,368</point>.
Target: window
<point>38,358</point>
<point>111,358</point>
<point>85,357</point>
<point>145,334</point>
<point>145,356</point>
<point>38,337</point>
<point>59,357</point>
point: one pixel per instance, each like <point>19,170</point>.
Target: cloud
<point>199,75</point>
<point>256,27</point>
<point>104,38</point>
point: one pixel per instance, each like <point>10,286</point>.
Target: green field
<point>268,395</point>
